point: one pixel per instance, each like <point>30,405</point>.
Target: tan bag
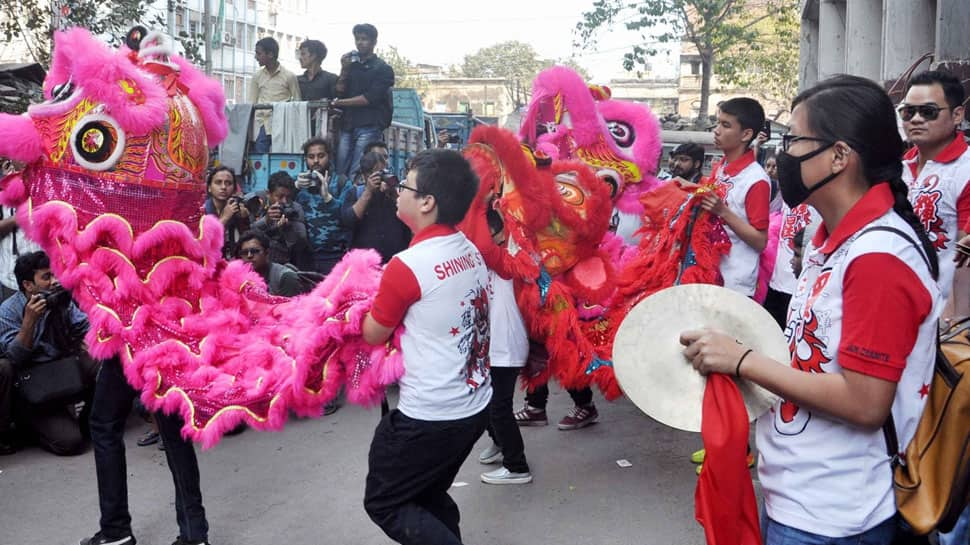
<point>933,487</point>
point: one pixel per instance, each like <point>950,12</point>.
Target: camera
<point>354,56</point>
<point>314,176</point>
<point>289,211</point>
<point>389,177</point>
<point>56,297</point>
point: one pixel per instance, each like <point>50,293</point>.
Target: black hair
<point>317,141</point>
<point>375,144</point>
<point>690,149</point>
<point>28,264</point>
<point>369,162</point>
<point>852,109</point>
<point>749,112</point>
<point>952,88</point>
<point>258,236</point>
<point>316,48</point>
<point>217,170</point>
<point>269,45</point>
<point>494,220</point>
<point>282,179</point>
<point>366,29</point>
<point>449,178</point>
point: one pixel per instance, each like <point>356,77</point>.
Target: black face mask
<point>793,189</point>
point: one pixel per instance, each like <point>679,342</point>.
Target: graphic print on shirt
<point>797,219</point>
<point>927,208</point>
<point>474,344</point>
<point>808,355</point>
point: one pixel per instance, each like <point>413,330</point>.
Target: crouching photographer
<point>282,221</point>
<point>46,370</point>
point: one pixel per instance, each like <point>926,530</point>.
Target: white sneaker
<point>491,455</point>
<point>504,476</point>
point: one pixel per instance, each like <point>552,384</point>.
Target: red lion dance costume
<point>113,190</point>
<point>594,158</point>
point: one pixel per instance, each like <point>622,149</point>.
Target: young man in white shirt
<point>438,289</point>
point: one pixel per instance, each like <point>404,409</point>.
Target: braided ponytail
<point>904,208</point>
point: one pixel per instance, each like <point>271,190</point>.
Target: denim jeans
<point>351,147</point>
<point>410,468</point>
<point>112,403</point>
<point>778,534</point>
<point>960,535</point>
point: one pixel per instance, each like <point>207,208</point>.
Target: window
<point>464,106</point>
<point>489,109</point>
<point>695,68</point>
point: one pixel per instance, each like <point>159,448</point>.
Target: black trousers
<point>6,395</point>
<point>776,303</point>
<point>54,426</point>
<point>411,465</point>
<point>502,427</point>
<point>112,403</point>
<point>540,396</point>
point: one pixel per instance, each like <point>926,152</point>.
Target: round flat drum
<point>649,360</point>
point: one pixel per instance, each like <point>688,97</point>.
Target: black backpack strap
<point>889,428</point>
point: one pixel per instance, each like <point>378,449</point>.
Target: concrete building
<point>884,40</point>
<point>237,26</point>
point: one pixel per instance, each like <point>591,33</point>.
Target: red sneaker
<point>531,416</point>
<point>579,417</point>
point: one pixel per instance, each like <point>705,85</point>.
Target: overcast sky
<point>442,32</point>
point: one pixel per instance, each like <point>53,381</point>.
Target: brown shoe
<point>531,416</point>
<point>579,417</point>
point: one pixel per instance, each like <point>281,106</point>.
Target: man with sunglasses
<point>937,171</point>
<point>280,280</point>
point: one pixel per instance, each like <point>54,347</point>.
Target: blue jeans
<point>960,535</point>
<point>112,403</point>
<point>351,147</point>
<point>263,142</point>
<point>776,533</point>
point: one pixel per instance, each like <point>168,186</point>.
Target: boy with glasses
<point>438,289</point>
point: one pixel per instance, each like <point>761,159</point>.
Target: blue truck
<point>411,131</point>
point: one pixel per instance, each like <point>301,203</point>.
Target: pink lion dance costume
<point>113,190</point>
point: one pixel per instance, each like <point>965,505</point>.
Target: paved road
<point>304,486</point>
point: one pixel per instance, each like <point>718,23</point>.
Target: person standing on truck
<point>315,82</point>
<point>364,91</point>
<point>271,83</point>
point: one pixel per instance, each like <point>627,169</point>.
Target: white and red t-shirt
<point>793,220</point>
<point>438,288</point>
<point>940,195</point>
<point>867,302</point>
<point>747,194</point>
<point>510,341</point>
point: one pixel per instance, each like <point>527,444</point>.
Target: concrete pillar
<point>808,54</point>
<point>909,31</point>
<point>863,38</point>
<point>952,37</point>
<point>831,38</point>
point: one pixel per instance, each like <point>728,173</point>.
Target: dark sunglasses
<point>929,112</point>
<point>788,139</point>
<point>250,252</point>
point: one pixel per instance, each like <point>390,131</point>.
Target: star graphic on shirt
<point>924,391</point>
<point>454,332</point>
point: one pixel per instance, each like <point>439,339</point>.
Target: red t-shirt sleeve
<point>963,208</point>
<point>883,305</point>
<point>399,290</point>
<point>756,204</point>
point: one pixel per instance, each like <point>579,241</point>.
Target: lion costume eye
<point>62,92</point>
<point>622,133</point>
<point>97,142</point>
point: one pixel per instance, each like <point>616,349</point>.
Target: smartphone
<point>767,129</point>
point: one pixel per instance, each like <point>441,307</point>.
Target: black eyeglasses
<point>788,139</point>
<point>401,187</point>
<point>250,252</point>
<point>929,112</point>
